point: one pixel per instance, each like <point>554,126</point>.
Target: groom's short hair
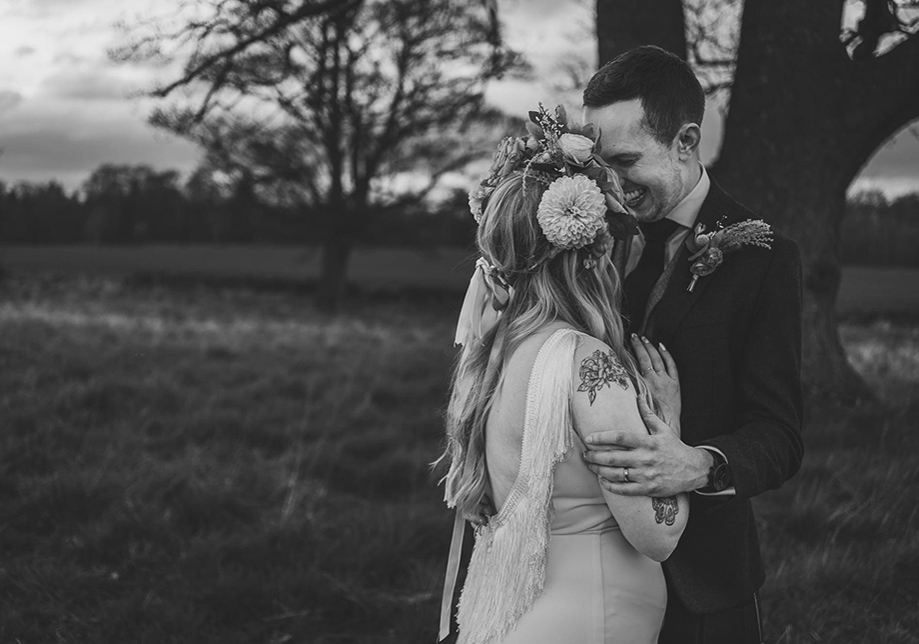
<point>669,91</point>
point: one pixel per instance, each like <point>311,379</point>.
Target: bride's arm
<point>605,399</point>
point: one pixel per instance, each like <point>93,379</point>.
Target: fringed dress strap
<point>507,570</point>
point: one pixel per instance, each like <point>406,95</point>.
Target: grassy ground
<point>375,269</point>
<point>205,465</point>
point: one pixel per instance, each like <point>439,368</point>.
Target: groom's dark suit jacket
<point>736,339</point>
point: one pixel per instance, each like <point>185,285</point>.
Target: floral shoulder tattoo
<point>600,369</point>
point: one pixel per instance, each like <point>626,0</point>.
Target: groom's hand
<point>658,465</point>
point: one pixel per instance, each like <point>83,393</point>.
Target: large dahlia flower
<point>572,211</point>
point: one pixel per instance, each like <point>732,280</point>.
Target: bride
<point>543,365</point>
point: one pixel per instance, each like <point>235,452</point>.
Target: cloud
<point>900,153</point>
<point>548,30</point>
<point>69,58</point>
<point>893,168</point>
<point>892,186</point>
<point>68,142</point>
<point>98,85</point>
<point>50,4</point>
<point>24,51</point>
<point>9,100</point>
<point>43,9</point>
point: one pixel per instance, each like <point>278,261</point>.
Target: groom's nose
<point>622,173</point>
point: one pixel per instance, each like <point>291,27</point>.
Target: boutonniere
<point>708,249</point>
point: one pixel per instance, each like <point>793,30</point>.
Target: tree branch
<point>883,94</point>
<point>227,54</point>
<point>893,77</point>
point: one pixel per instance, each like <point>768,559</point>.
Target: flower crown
<point>582,206</point>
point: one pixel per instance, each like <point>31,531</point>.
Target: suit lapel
<point>673,297</point>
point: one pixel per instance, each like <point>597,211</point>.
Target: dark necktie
<point>640,281</point>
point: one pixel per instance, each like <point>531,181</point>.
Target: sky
<point>65,108</point>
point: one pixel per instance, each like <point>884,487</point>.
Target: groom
<point>735,335</point>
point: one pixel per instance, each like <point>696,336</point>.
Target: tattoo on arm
<point>600,369</point>
<point>665,510</point>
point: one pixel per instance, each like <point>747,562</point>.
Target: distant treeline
<point>138,205</point>
<point>880,232</point>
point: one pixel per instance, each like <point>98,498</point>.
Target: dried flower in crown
<point>507,157</point>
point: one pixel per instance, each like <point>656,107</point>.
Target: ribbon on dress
<point>486,297</point>
<point>453,564</point>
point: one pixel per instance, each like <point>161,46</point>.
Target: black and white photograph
<point>459,321</point>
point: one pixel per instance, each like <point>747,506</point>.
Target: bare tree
<point>809,104</point>
<point>319,100</point>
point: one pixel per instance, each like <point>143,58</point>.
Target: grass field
<point>219,465</point>
<point>375,269</point>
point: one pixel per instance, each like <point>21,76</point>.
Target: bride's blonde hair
<point>547,286</point>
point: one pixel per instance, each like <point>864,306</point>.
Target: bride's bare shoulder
<point>519,363</point>
<point>525,352</point>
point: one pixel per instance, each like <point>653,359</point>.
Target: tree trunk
<point>625,24</point>
<point>794,140</point>
<point>347,219</point>
<point>805,199</point>
<point>336,252</point>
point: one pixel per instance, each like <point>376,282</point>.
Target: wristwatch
<point>719,475</point>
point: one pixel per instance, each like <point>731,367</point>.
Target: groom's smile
<point>655,176</point>
<point>634,197</point>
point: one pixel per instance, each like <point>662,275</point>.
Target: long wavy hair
<point>547,287</point>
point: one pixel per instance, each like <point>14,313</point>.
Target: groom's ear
<point>687,140</point>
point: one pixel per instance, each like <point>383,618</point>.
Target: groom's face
<point>655,176</point>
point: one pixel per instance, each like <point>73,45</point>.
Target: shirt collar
<point>686,212</point>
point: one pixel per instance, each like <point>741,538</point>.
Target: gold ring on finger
<point>625,474</point>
